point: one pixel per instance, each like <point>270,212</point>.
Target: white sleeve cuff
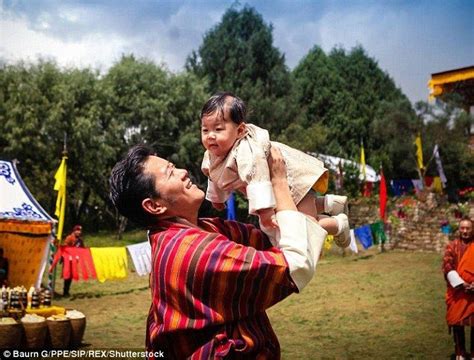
<point>260,196</point>
<point>454,278</point>
<point>300,240</point>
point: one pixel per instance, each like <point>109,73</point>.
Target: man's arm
<point>450,265</point>
<point>299,238</point>
<point>252,168</point>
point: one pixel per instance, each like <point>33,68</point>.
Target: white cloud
<point>22,43</point>
<point>403,37</point>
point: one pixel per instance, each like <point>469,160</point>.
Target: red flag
<point>382,195</point>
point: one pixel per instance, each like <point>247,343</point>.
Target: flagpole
<point>60,186</point>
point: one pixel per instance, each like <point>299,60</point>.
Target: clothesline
<point>111,263</point>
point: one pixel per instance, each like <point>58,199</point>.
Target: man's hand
<point>267,218</point>
<point>468,287</point>
<point>277,165</point>
<point>281,189</point>
<point>218,206</point>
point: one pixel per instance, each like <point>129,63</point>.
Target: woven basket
<point>59,333</point>
<point>10,336</point>
<point>35,334</point>
<point>78,327</point>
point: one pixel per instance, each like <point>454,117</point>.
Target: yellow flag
<point>60,187</point>
<point>328,242</point>
<point>419,152</point>
<point>362,159</point>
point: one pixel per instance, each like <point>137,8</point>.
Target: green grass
<point>388,305</point>
<point>104,239</point>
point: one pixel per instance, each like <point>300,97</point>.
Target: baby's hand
<point>218,206</point>
<point>267,218</point>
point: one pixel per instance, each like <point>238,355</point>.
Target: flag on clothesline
<point>103,264</point>
<point>382,195</point>
<point>141,257</point>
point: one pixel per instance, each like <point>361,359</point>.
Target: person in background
<point>73,239</point>
<point>458,269</point>
<point>3,269</point>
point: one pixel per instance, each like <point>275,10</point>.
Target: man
<point>73,239</point>
<point>212,279</point>
<point>458,268</point>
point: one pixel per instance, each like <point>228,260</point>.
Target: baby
<point>236,159</point>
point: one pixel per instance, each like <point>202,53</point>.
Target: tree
<point>43,104</point>
<point>238,55</point>
<point>448,126</point>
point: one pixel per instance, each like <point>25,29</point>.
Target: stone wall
<point>413,224</point>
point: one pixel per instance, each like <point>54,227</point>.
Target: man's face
<point>78,232</point>
<point>219,133</point>
<point>465,229</point>
<point>176,190</point>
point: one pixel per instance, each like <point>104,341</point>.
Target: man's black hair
<point>130,185</point>
<point>217,102</point>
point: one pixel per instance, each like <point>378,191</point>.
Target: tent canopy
<point>25,229</point>
<point>332,162</point>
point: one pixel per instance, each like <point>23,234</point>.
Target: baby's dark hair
<point>217,102</point>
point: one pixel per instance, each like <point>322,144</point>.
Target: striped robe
<point>459,256</point>
<point>210,289</point>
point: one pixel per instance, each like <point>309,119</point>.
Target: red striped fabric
<point>74,260</point>
<point>210,288</point>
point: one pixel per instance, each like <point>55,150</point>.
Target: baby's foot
<point>342,238</point>
<point>335,204</point>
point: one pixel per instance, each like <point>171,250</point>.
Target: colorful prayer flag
<point>364,234</point>
<point>60,187</point>
<point>378,233</point>
<point>419,152</point>
<point>328,242</point>
<point>362,159</point>
<point>382,195</point>
<point>439,166</point>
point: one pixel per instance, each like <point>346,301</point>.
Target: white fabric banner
<point>439,165</point>
<point>353,244</point>
<point>141,257</point>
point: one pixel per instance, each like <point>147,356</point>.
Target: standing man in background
<point>73,239</point>
<point>458,268</point>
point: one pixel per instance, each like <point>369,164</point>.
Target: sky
<point>410,39</point>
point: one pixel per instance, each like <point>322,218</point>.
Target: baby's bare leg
<point>329,224</point>
<point>308,206</point>
<point>319,200</point>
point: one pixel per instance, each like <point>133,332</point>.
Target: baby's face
<point>219,133</point>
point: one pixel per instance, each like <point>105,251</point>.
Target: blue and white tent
<point>25,229</point>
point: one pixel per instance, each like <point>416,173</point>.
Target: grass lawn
<point>388,305</point>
